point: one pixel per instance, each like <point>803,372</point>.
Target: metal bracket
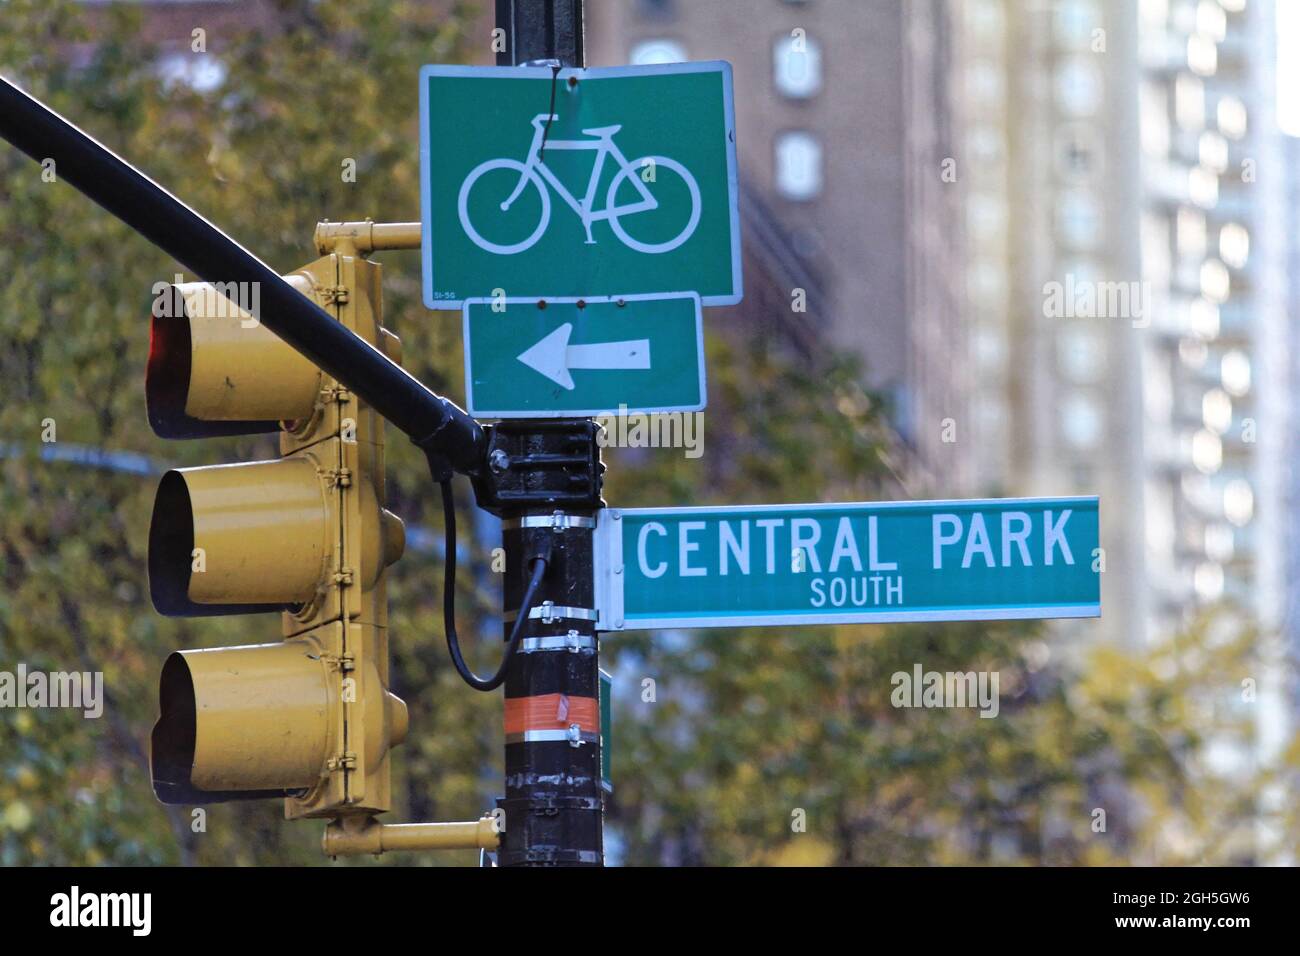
<point>558,520</point>
<point>537,464</point>
<point>340,477</point>
<point>547,856</point>
<point>343,761</point>
<point>569,736</point>
<point>548,612</point>
<point>573,642</point>
<point>344,663</point>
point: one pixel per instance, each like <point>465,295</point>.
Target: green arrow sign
<point>531,358</point>
<point>578,183</point>
<point>971,560</point>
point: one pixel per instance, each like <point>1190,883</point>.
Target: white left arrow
<point>553,356</point>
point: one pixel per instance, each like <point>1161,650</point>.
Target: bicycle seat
<point>602,130</point>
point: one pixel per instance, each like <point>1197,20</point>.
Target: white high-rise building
<point>1054,195</point>
<point>1132,213</point>
<point>1127,200</point>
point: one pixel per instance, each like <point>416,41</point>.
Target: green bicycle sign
<point>534,172</point>
<point>571,183</point>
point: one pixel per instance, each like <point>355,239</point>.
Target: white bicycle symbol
<point>535,171</point>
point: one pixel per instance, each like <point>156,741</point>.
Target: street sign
<point>548,358</point>
<point>974,560</point>
<point>578,182</point>
<point>606,730</point>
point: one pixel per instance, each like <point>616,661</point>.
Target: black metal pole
<point>431,421</point>
<point>551,486</point>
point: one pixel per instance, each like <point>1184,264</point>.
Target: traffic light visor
<point>215,370</point>
<point>238,539</point>
<point>241,723</point>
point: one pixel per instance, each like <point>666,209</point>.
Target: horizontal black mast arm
<point>431,421</point>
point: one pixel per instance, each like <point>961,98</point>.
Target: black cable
<point>539,563</point>
<point>550,115</point>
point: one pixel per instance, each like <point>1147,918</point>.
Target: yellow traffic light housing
<point>307,535</point>
<point>215,370</point>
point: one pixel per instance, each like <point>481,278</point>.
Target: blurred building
<point>1132,213</point>
<point>1128,284</point>
<point>1053,192</point>
<point>844,122</point>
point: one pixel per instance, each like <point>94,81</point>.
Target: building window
<point>1208,580</point>
<point>1215,282</point>
<point>1189,103</point>
<point>1203,186</point>
<point>1079,220</point>
<point>1231,117</point>
<point>1234,372</point>
<point>1203,318</point>
<point>986,19</point>
<point>1207,452</point>
<point>650,52</point>
<point>1154,112</point>
<point>1077,159</point>
<point>1213,151</point>
<point>1211,21</point>
<point>1238,502</point>
<point>1216,411</point>
<point>1081,421</point>
<point>1075,21</point>
<point>984,81</point>
<point>1219,545</point>
<point>986,215</point>
<point>798,166</point>
<point>1191,232</point>
<point>1078,88</point>
<point>1080,355</point>
<point>1234,245</point>
<point>1202,55</point>
<point>658,9</point>
<point>797,65</point>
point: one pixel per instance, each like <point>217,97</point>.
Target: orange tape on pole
<point>552,712</point>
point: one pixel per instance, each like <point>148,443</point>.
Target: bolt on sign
<point>596,182</point>
<point>994,559</point>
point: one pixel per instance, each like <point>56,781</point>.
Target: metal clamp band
<point>514,857</point>
<point>557,520</point>
<point>548,612</point>
<point>572,737</point>
<point>573,642</point>
<point>513,805</point>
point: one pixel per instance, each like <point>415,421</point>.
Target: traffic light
<point>309,718</point>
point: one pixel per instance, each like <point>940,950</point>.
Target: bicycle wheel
<point>462,205</point>
<point>633,168</point>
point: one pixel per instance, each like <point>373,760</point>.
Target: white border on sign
<point>991,613</point>
<point>582,412</point>
<point>592,73</point>
<point>610,576</point>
